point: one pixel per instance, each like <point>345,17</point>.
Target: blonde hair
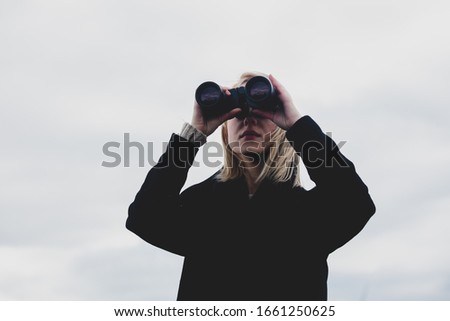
<point>281,161</point>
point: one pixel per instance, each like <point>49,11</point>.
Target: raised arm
<point>158,214</point>
<point>155,215</point>
<point>340,200</point>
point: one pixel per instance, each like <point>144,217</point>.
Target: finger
<point>278,86</point>
<point>274,80</point>
<point>226,90</point>
<point>231,114</point>
<point>263,114</point>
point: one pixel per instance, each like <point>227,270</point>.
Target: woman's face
<point>249,135</point>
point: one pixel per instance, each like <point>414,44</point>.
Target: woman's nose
<point>249,119</point>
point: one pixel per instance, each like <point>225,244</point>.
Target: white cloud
<point>78,74</point>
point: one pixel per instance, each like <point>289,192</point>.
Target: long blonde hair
<point>281,161</point>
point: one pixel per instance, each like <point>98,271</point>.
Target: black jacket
<point>273,246</point>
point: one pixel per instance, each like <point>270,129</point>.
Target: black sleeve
<point>157,214</point>
<point>340,200</point>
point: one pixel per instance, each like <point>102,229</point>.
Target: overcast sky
<point>75,75</point>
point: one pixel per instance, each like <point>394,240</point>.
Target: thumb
<point>231,114</point>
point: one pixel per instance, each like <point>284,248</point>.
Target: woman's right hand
<point>208,126</point>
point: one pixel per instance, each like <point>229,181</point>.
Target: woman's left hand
<point>285,116</point>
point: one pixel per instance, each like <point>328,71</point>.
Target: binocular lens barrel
<point>208,94</point>
<point>258,88</point>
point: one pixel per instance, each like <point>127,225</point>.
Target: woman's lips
<point>249,134</point>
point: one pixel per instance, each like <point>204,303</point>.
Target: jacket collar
<point>237,188</point>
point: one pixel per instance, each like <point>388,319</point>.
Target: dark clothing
<point>273,246</point>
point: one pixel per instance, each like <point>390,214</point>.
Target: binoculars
<point>258,93</point>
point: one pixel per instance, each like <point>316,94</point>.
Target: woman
<point>251,232</point>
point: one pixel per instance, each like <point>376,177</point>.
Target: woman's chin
<point>248,152</point>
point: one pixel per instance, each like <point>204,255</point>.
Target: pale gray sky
<point>77,74</point>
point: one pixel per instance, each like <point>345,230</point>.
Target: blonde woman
<point>251,232</point>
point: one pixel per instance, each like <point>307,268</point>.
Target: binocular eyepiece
<point>258,93</point>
